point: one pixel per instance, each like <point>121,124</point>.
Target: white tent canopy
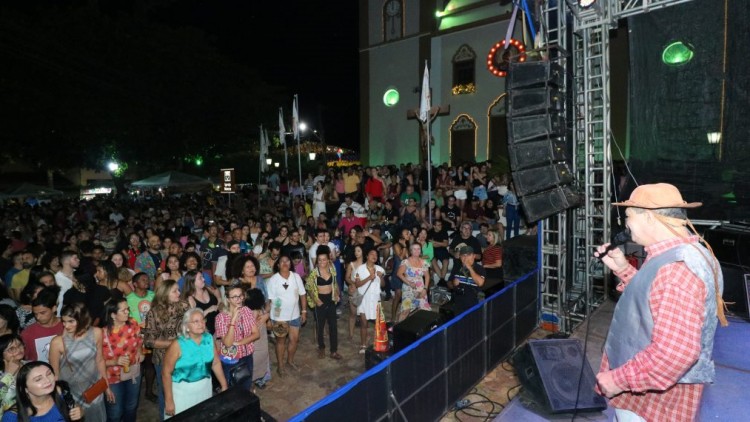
<point>173,179</point>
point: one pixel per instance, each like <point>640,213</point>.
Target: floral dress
<point>410,297</point>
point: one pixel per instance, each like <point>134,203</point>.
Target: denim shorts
<point>296,322</point>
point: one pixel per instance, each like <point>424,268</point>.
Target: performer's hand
<point>606,382</point>
<point>614,259</point>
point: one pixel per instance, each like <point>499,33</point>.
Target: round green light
<point>199,161</point>
<point>390,98</point>
<point>677,54</point>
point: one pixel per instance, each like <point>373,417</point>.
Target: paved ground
<point>285,397</point>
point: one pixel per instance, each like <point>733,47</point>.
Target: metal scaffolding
<point>573,282</point>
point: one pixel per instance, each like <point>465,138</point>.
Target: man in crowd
<point>464,238</point>
<point>139,302</point>
<point>450,213</point>
<point>66,276</point>
<point>466,279</point>
<point>38,335</point>
<point>150,260</point>
<point>657,356</point>
<point>21,279</point>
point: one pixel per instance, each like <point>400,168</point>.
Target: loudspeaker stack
<point>538,140</point>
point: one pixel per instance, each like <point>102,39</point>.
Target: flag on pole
<point>425,100</point>
<point>263,150</point>
<point>295,119</point>
<point>282,130</point>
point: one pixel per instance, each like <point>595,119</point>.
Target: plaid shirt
<point>244,326</point>
<point>650,377</point>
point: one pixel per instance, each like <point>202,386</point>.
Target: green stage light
<point>677,53</point>
<point>390,98</point>
<point>199,161</point>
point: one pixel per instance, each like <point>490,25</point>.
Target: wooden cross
<point>435,111</point>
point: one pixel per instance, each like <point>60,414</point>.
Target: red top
<point>374,188</point>
<point>650,377</point>
<point>492,255</point>
<point>243,328</point>
<point>124,342</point>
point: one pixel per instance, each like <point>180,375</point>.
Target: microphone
<point>620,239</point>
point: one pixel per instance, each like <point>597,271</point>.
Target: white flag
<point>425,100</point>
<point>282,130</point>
<point>295,118</point>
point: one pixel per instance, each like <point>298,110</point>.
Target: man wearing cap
<point>466,279</point>
<point>657,356</point>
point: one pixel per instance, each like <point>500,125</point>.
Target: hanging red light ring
<point>498,61</point>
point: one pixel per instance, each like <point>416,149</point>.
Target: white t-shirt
<point>65,284</point>
<point>312,253</point>
<point>285,304</point>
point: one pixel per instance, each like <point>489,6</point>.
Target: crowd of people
<point>189,296</point>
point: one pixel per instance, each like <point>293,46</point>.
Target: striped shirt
<point>650,377</point>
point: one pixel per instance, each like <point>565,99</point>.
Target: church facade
<point>455,38</point>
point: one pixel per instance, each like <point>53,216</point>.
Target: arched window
<point>463,139</point>
<point>464,73</point>
<point>497,133</point>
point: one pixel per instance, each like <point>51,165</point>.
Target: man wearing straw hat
<point>657,356</point>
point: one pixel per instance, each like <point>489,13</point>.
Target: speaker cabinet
<point>527,101</point>
<point>413,327</point>
<point>527,128</point>
<point>551,370</point>
<point>540,178</point>
<point>232,405</point>
<point>529,74</point>
<point>544,204</point>
<point>532,154</point>
<point>734,288</point>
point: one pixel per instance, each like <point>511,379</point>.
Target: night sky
<point>308,48</point>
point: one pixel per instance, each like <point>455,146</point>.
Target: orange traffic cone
<point>381,332</point>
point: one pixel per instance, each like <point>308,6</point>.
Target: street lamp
<point>312,156</point>
<point>714,137</point>
<point>302,126</point>
<point>269,161</point>
<point>276,164</point>
<point>113,166</point>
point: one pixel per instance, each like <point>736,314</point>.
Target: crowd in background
<point>187,295</point>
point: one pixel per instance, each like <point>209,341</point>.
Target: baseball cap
<point>465,250</point>
<point>655,196</point>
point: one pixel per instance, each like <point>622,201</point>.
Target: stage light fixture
<point>714,137</point>
<point>269,161</point>
<point>586,3</point>
<point>312,156</point>
<point>276,164</point>
<point>677,53</point>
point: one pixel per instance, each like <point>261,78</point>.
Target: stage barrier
<point>424,380</point>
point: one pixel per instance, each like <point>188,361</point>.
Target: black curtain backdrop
<point>673,108</point>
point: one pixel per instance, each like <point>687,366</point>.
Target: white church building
<point>456,38</point>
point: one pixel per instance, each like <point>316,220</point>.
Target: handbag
<point>357,299</point>
<point>240,373</point>
<point>95,390</point>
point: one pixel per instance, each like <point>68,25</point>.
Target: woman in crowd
<point>256,301</point>
<point>478,180</point>
<point>415,275</point>
<point>106,275</point>
<point>186,375</point>
<point>400,253</point>
<point>199,296</point>
<point>283,235</point>
<point>23,312</point>
<point>162,325</point>
<point>369,278</point>
<point>322,296</point>
<point>172,271</point>
<point>460,187</point>
<point>245,270</point>
<point>40,397</point>
<point>122,357</point>
<point>12,349</point>
<point>428,251</point>
<point>288,311</point>
<point>133,249</point>
<point>430,214</point>
<point>492,257</point>
<point>357,259</point>
<point>191,261</point>
<point>8,320</point>
<point>118,259</point>
<point>236,332</point>
<point>76,356</point>
<point>319,203</point>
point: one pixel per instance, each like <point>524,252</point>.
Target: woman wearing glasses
<point>185,376</point>
<point>12,349</point>
<point>236,330</point>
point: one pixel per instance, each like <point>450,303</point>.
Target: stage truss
<point>573,282</point>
